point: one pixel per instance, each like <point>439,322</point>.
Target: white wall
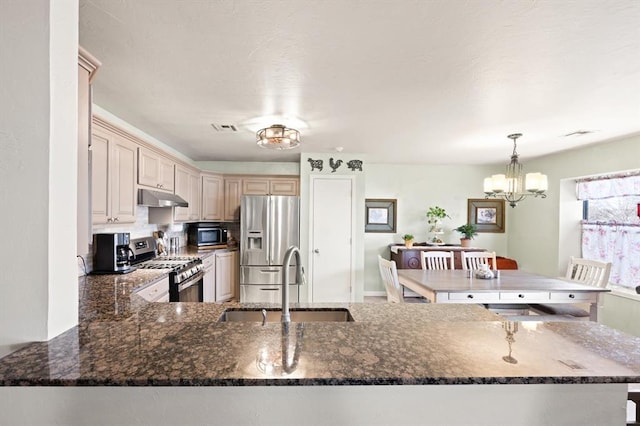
<point>38,118</point>
<point>416,188</point>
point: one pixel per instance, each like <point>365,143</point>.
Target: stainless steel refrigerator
<point>269,225</point>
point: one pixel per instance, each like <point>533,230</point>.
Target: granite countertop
<point>123,340</point>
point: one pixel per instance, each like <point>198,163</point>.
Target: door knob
<point>316,251</point>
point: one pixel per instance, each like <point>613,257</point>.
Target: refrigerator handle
<point>268,232</point>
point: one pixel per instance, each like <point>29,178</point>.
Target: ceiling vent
<point>227,128</point>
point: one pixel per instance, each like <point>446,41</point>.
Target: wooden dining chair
<point>389,274</point>
<point>473,259</point>
<point>436,260</point>
<point>583,271</point>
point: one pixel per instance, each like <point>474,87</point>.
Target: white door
<point>331,239</point>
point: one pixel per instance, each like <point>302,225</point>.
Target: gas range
<point>184,271</point>
<point>166,262</point>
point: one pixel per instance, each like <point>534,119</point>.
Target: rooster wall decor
<point>334,164</point>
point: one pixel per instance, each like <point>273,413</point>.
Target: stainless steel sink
<point>302,315</point>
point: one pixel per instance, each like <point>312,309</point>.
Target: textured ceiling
<point>433,82</point>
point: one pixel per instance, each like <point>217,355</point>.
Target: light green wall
<point>248,167</point>
<point>540,235</point>
<point>416,188</point>
<point>544,233</point>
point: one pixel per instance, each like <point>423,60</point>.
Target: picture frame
<point>380,215</point>
<point>486,215</point>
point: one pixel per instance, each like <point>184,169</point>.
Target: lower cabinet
<point>209,279</point>
<point>226,275</point>
<point>157,292</point>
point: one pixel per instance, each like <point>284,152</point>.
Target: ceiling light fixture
<point>278,137</point>
<point>509,186</point>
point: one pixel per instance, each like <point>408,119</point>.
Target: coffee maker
<point>112,254</point>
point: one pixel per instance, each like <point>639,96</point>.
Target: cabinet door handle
<point>316,251</point>
<point>521,296</point>
<point>572,296</point>
<point>115,219</point>
<point>469,296</point>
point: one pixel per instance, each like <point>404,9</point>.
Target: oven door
<point>189,290</point>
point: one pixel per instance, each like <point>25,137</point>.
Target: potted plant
<point>468,230</point>
<point>435,215</point>
<point>408,240</point>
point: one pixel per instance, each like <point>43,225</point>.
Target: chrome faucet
<point>286,316</point>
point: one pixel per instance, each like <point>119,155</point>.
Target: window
<point>611,225</point>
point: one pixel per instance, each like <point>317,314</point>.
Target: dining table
<point>508,287</point>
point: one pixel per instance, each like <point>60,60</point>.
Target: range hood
<point>150,198</point>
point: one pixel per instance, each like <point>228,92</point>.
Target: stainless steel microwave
<point>203,234</point>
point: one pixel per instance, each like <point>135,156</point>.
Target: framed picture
<point>380,215</point>
<point>486,215</point>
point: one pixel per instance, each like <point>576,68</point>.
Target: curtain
<point>607,188</point>
<point>618,244</point>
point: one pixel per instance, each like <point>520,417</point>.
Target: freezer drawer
<point>270,275</point>
<point>266,294</point>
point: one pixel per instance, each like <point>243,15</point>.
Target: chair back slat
<point>473,259</point>
<point>437,259</point>
<point>389,275</point>
<point>589,272</point>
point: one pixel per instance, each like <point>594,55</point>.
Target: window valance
<point>596,189</point>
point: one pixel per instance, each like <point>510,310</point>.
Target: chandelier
<point>278,137</point>
<point>510,185</point>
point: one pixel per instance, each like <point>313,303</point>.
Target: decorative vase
<point>465,242</point>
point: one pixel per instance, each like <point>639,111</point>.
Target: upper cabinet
<point>188,187</point>
<point>284,186</point>
<point>212,197</point>
<point>122,163</point>
<point>237,186</point>
<point>87,69</point>
<point>232,194</point>
<point>155,170</point>
<point>113,177</point>
<point>269,186</point>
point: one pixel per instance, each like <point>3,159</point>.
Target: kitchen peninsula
<point>129,360</point>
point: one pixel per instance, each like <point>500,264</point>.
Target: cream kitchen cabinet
<point>188,187</point>
<point>269,186</point>
<point>212,197</point>
<point>209,279</point>
<point>226,275</point>
<point>113,177</point>
<point>87,69</point>
<point>237,186</point>
<point>232,195</point>
<point>156,292</point>
<point>155,170</point>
